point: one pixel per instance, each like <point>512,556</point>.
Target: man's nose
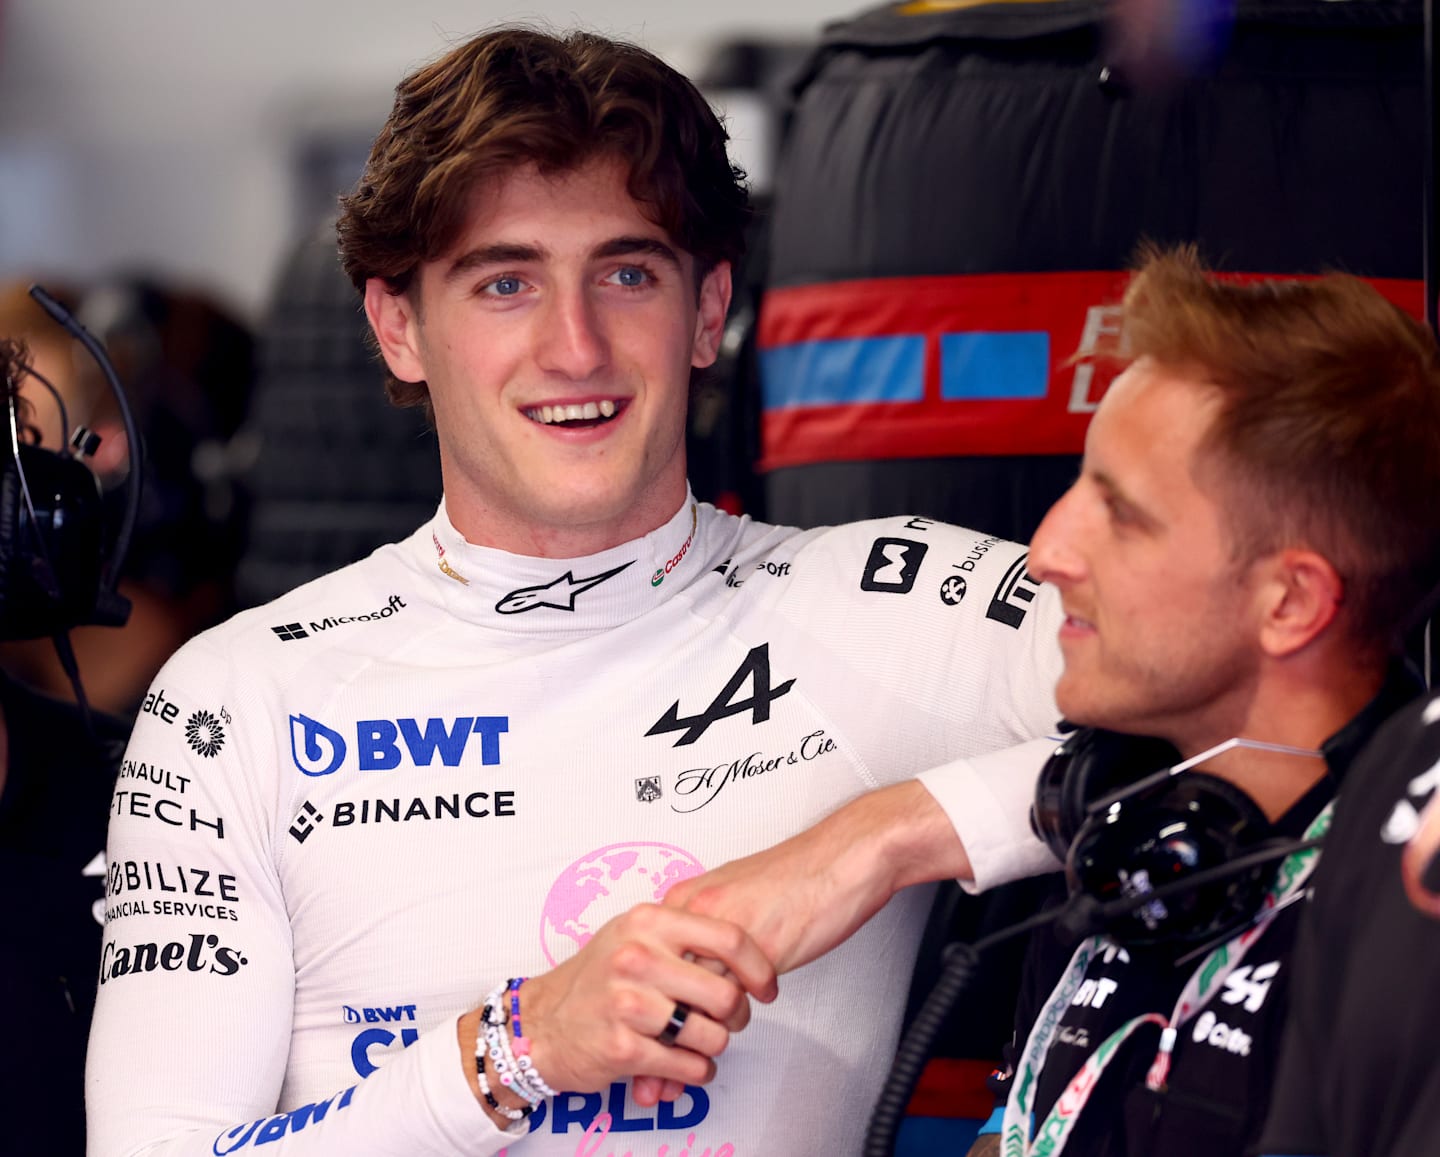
<point>1054,557</point>
<point>572,341</point>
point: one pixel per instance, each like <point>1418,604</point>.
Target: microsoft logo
<point>291,631</point>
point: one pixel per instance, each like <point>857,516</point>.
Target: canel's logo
<point>315,748</point>
<point>320,750</point>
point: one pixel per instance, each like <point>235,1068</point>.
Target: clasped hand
<point>596,1018</point>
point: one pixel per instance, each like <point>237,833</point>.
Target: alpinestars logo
<point>204,734</point>
<point>756,668</point>
<point>559,595</point>
<point>893,565</point>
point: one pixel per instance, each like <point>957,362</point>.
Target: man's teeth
<point>588,411</point>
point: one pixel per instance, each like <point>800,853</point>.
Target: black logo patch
<point>305,822</point>
<point>952,590</point>
<point>893,565</point>
<point>559,594</point>
<point>755,667</point>
<point>289,632</point>
<point>1014,595</point>
<point>647,788</point>
<point>204,734</point>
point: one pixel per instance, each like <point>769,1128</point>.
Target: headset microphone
<point>54,573</point>
<point>1082,915</point>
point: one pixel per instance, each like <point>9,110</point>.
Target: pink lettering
<point>601,1122</point>
<point>599,1129</point>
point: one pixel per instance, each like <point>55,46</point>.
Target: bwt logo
<point>372,1038</point>
<point>320,750</point>
<point>379,1015</point>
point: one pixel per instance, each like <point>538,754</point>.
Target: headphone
<point>1117,812</point>
<point>54,574</point>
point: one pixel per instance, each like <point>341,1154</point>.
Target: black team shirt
<point>1360,1068</point>
<point>1218,1090</point>
<point>53,814</point>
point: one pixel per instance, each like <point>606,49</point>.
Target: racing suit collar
<point>522,593</point>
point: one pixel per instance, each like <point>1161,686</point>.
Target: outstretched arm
<point>804,896</point>
<point>799,899</point>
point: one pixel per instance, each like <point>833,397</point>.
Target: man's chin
<point>1079,705</point>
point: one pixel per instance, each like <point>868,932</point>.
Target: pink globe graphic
<point>603,884</point>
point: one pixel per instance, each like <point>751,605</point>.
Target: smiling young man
<point>353,820</point>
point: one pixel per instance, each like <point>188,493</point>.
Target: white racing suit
<point>346,816</point>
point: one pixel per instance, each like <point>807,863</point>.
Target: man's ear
<point>710,318</point>
<point>1301,595</point>
<point>396,325</point>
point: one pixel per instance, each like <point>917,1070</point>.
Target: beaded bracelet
<point>516,1117</point>
<point>518,1074</point>
<point>497,1047</point>
<point>521,1043</point>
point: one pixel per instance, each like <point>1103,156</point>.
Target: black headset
<point>55,569</point>
<point>1124,824</point>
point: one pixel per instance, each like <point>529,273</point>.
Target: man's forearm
<point>804,896</point>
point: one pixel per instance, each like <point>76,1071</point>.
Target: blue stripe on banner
<point>994,365</point>
<point>822,373</point>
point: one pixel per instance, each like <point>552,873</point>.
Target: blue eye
<point>505,286</point>
<point>631,276</point>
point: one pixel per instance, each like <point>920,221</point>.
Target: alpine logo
<point>893,565</point>
<point>756,668</point>
<point>320,750</point>
<point>1012,598</point>
<point>559,595</point>
<point>289,632</point>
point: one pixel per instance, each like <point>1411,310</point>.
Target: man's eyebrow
<point>628,246</point>
<point>1113,488</point>
<point>498,254</point>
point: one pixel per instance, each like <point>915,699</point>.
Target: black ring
<point>676,1022</point>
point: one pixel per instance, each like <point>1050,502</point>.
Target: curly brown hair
<point>14,366</point>
<point>518,96</point>
<point>1328,431</point>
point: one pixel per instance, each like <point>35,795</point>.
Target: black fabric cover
<point>991,139</point>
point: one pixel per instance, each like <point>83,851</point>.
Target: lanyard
<point>1054,1132</point>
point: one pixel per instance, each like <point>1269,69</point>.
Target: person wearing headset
<point>57,770</point>
<point>1251,526</point>
<point>380,802</point>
